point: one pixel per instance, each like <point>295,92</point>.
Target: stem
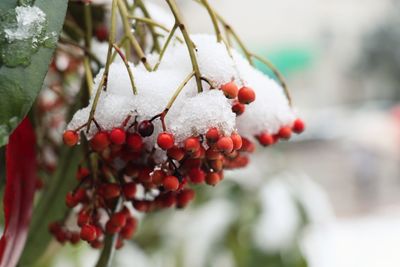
<point>169,38</point>
<point>127,29</point>
<point>88,75</point>
<point>103,81</point>
<point>156,44</point>
<point>88,24</point>
<point>188,41</point>
<point>84,49</point>
<point>107,254</point>
<point>213,19</point>
<point>149,22</point>
<point>128,68</point>
<point>277,74</point>
<point>177,92</point>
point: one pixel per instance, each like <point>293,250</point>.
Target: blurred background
<point>330,197</point>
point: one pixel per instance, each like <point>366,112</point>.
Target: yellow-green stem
<point>191,48</point>
<point>103,81</point>
<point>213,19</point>
<point>128,32</point>
<point>169,38</point>
<point>146,13</point>
<point>128,68</point>
<point>88,74</point>
<point>177,92</point>
<point>277,74</point>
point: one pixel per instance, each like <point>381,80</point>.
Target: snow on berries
<point>151,147</point>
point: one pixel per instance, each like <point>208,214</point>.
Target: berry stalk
<point>191,48</point>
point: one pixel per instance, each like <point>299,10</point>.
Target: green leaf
<point>51,206</point>
<point>20,84</point>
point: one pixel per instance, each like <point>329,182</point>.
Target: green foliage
<point>51,206</point>
<point>22,79</point>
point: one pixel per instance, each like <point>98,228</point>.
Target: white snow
<point>192,113</point>
<point>30,22</point>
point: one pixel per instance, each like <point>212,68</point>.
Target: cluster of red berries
<point>285,133</point>
<point>240,97</point>
<point>125,164</point>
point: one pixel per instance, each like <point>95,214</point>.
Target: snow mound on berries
<point>213,59</point>
<point>270,111</point>
<point>202,112</point>
<point>191,113</point>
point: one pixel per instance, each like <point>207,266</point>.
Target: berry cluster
<point>147,151</point>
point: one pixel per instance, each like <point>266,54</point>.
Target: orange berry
<point>230,90</point>
<point>225,144</point>
<point>70,138</point>
<point>165,140</point>
<point>246,95</point>
<point>171,183</point>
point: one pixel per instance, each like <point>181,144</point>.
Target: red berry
<point>285,133</point>
<point>80,195</point>
<point>298,126</point>
<point>212,135</point>
<point>225,144</point>
<point>135,142</point>
<point>171,183</point>
<point>111,228</point>
<point>230,90</point>
<point>196,175</point>
<point>141,205</point>
<point>176,153</point>
<point>100,141</point>
<point>129,190</point>
<point>110,191</point>
<point>129,228</point>
<point>118,219</point>
<point>192,144</point>
<point>246,95</point>
<point>238,108</point>
<point>75,238</point>
<point>213,154</point>
<point>212,178</point>
<point>83,218</point>
<point>237,141</point>
<point>101,33</point>
<point>184,197</point>
<point>157,177</point>
<point>247,145</point>
<point>165,140</point>
<point>144,174</point>
<point>70,200</point>
<point>88,232</point>
<point>217,165</point>
<point>82,173</point>
<point>265,139</point>
<point>70,138</point>
<point>146,128</point>
<point>118,136</point>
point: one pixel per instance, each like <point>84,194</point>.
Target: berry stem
<point>103,81</point>
<point>213,19</point>
<point>84,49</point>
<point>107,254</point>
<point>178,91</point>
<point>277,74</point>
<point>88,38</point>
<point>156,43</point>
<point>128,32</point>
<point>191,48</point>
<point>128,68</point>
<point>169,38</point>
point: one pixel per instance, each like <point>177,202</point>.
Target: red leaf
<point>19,192</point>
